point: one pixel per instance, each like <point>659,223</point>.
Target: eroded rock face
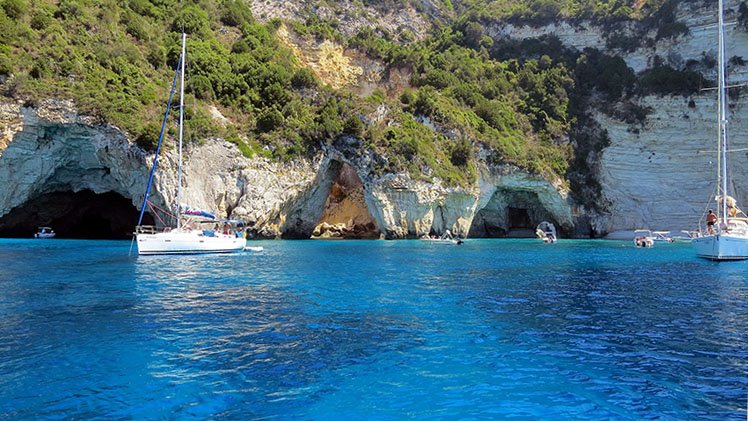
<point>346,214</point>
<point>52,150</point>
<point>700,17</point>
<point>512,202</point>
<point>353,16</point>
<point>663,175</point>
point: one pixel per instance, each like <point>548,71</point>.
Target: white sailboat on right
<point>727,239</point>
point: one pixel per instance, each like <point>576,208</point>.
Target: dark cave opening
<point>83,215</point>
<point>510,213</point>
<point>519,218</point>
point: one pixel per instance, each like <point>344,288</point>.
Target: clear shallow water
<point>372,329</point>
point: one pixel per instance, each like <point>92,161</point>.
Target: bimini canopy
<point>191,211</point>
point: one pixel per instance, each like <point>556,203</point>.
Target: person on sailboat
<point>711,219</point>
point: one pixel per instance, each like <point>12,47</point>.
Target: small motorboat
<point>643,238</point>
<point>662,236</point>
<point>446,238</point>
<point>44,232</point>
<point>546,231</point>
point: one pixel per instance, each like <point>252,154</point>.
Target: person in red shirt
<point>711,219</point>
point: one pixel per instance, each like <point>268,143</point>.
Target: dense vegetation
<point>519,101</point>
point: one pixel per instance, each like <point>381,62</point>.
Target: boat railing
<point>150,229</point>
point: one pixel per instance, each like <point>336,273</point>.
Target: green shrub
<point>303,78</point>
<point>353,126</point>
<point>609,75</point>
<point>41,19</point>
<point>438,78</point>
<point>6,65</point>
<point>201,87</point>
<point>192,19</point>
<point>664,80</point>
<point>40,69</point>
<point>743,15</point>
<point>625,43</point>
<point>235,13</point>
<point>143,8</point>
<point>460,152</point>
<point>156,56</point>
<point>198,125</point>
<point>137,26</point>
<point>69,9</point>
<point>14,9</point>
<point>147,138</point>
<point>671,30</point>
<point>270,119</point>
<point>328,123</point>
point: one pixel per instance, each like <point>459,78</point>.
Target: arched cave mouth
<point>83,214</point>
<point>510,214</point>
<point>345,213</point>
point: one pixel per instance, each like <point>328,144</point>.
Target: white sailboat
<point>728,238</point>
<point>186,237</point>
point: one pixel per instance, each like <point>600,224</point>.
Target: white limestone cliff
<point>661,175</point>
<point>53,149</point>
<point>658,174</point>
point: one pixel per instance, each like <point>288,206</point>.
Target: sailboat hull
<point>191,242</point>
<point>722,247</point>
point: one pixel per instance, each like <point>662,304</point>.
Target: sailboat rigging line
<point>728,151</point>
<point>160,139</point>
<point>155,208</point>
<point>714,88</point>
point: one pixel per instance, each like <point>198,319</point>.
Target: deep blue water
<point>372,330</point>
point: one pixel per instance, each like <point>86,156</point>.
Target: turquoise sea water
<point>372,330</point>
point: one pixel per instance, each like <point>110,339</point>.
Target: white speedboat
<point>546,231</point>
<point>644,238</point>
<point>445,238</point>
<point>727,239</point>
<point>45,232</point>
<point>184,238</point>
<point>662,236</point>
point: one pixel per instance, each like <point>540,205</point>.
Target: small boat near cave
<point>45,232</point>
<point>547,232</point>
<point>647,238</point>
<point>445,238</point>
<point>644,238</point>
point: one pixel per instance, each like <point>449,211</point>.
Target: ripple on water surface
<point>579,329</point>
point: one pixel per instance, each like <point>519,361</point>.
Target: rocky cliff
<point>661,173</point>
<point>53,150</point>
<point>656,173</point>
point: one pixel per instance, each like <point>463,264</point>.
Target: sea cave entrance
<point>345,214</point>
<point>510,213</point>
<point>82,214</point>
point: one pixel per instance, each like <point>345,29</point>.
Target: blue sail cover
<point>189,210</point>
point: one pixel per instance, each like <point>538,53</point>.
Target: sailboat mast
<point>181,128</point>
<point>722,114</point>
